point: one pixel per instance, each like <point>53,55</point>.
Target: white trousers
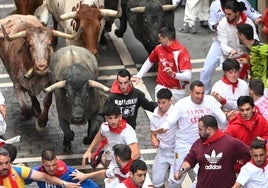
<point>210,64</point>
<point>194,9</point>
<point>164,159</point>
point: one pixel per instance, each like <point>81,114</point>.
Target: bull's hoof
<point>108,26</point>
<point>38,127</point>
<point>67,149</point>
<point>103,41</point>
<point>27,114</point>
<point>86,140</point>
<point>67,145</point>
<point>118,33</point>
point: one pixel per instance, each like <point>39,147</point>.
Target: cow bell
<point>29,73</point>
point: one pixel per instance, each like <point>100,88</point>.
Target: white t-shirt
<point>167,139</point>
<point>127,136</point>
<point>227,35</point>
<point>226,91</point>
<point>251,176</point>
<point>187,114</point>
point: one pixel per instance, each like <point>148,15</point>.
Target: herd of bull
<point>26,50</point>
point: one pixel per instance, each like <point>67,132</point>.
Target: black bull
<point>78,96</point>
<point>146,17</point>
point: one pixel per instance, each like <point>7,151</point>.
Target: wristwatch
<point>181,171</point>
<point>63,184</point>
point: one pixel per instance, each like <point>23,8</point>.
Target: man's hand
<point>178,175</point>
<point>217,96</point>
<point>86,156</point>
<point>161,131</point>
<point>169,71</point>
<point>243,60</point>
<point>135,80</point>
<point>233,54</point>
<point>3,110</point>
<point>259,21</point>
<point>80,176</point>
<point>230,114</point>
<point>154,141</point>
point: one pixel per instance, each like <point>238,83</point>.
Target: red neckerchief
<point>11,180</point>
<point>262,166</point>
<point>234,85</point>
<point>129,183</point>
<point>126,168</point>
<point>120,128</point>
<point>60,169</point>
<point>2,144</point>
<point>218,134</point>
<point>116,89</point>
<point>243,20</point>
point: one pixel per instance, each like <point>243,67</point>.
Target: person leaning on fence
<point>56,167</point>
<point>12,176</point>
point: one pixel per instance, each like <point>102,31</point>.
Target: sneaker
<point>204,23</point>
<point>95,161</point>
<point>187,29</point>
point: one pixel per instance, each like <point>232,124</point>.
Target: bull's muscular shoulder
<point>15,23</point>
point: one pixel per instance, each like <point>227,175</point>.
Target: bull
<point>146,17</point>
<point>31,7</point>
<point>25,48</point>
<point>85,16</point>
<point>78,96</point>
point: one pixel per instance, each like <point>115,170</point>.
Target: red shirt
<point>265,20</point>
<point>248,130</point>
<point>164,56</point>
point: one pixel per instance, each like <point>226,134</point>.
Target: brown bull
<point>26,7</point>
<point>85,16</point>
<point>25,48</point>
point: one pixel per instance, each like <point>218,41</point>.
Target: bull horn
<point>98,85</point>
<point>68,15</point>
<point>57,85</point>
<point>14,36</point>
<point>168,7</point>
<point>137,9</point>
<point>109,12</point>
<point>63,35</point>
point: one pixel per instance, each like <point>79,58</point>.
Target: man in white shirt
<point>186,113</point>
<point>255,172</point>
<point>165,143</point>
<point>256,91</point>
<point>214,54</point>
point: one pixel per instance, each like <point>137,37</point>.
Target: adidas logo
<point>213,160</point>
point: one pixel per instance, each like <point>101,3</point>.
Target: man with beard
<point>227,32</point>
<point>248,123</point>
<point>255,172</point>
<point>12,176</point>
<point>137,175</point>
<point>216,154</point>
<point>214,54</point>
<point>185,116</point>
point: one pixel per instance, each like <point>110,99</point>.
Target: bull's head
<point>88,20</point>
<point>39,43</point>
<point>152,18</point>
